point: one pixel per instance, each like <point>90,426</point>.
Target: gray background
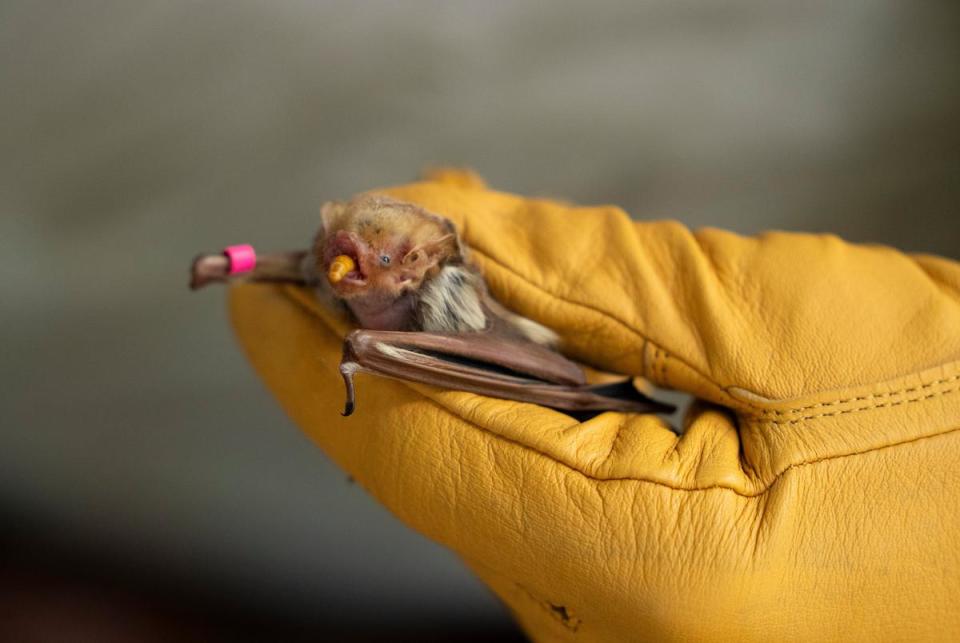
<point>134,134</point>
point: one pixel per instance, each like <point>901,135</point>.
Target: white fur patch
<point>393,351</point>
<point>535,332</point>
<point>450,302</point>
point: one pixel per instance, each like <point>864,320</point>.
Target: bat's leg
<point>280,266</point>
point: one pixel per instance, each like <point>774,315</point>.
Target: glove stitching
<point>872,406</point>
<point>861,398</point>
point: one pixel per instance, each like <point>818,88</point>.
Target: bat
<point>423,309</point>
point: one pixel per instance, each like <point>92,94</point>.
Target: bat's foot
<point>208,269</point>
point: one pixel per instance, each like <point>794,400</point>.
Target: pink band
<point>242,258</point>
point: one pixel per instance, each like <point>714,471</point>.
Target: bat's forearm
<point>280,266</point>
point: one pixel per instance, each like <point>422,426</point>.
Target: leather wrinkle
<point>613,443</point>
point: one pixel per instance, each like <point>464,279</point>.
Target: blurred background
<point>150,489</point>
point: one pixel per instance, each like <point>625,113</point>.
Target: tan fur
<point>450,302</point>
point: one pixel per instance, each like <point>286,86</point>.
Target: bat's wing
<point>486,364</point>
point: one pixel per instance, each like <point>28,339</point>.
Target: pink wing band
<point>242,258</point>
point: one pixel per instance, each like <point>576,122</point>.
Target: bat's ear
<point>451,241</point>
<point>330,213</point>
<point>443,243</point>
<point>430,253</point>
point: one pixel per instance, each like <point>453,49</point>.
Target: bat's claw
<point>347,369</point>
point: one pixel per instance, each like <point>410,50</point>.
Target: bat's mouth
<point>345,244</point>
<point>355,276</point>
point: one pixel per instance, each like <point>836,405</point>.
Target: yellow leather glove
<point>815,493</point>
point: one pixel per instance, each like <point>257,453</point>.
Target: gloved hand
<point>814,494</point>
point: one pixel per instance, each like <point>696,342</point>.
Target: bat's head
<point>392,246</point>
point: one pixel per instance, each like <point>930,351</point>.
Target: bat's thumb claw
<point>347,369</point>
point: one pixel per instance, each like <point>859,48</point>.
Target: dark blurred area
<point>150,489</point>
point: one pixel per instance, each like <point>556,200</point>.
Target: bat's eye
<point>385,260</point>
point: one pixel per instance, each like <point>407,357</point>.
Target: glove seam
<point>860,398</point>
